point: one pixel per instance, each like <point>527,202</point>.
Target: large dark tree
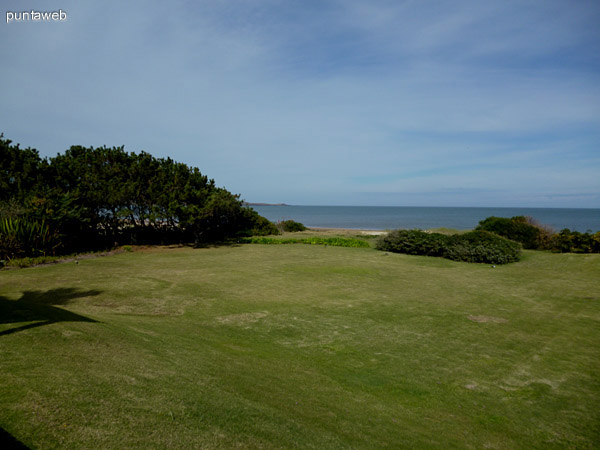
<point>100,197</point>
<point>20,171</point>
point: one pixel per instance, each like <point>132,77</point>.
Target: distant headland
<point>265,204</point>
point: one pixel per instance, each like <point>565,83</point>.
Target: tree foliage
<point>91,198</point>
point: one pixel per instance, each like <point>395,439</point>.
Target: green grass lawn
<point>262,346</point>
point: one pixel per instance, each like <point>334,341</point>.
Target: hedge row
<point>475,246</point>
<point>535,236</point>
<point>334,242</point>
<point>568,241</point>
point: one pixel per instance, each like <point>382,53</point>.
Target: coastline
<point>456,218</point>
<point>365,232</point>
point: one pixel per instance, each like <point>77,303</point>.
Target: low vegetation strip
<point>333,241</point>
<point>535,236</point>
<point>475,246</point>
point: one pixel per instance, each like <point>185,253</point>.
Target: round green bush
<point>516,229</point>
<point>475,246</point>
<point>482,247</point>
<point>291,226</point>
<point>413,242</point>
<point>263,227</point>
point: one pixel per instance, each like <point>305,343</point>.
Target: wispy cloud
<point>308,102</point>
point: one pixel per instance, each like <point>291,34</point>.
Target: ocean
<point>407,217</point>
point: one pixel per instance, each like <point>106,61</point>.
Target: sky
<point>331,102</point>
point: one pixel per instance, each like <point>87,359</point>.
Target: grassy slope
<point>301,346</point>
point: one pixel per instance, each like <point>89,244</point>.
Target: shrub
<point>482,247</point>
<point>576,242</point>
<point>253,224</point>
<point>475,246</point>
<point>519,228</point>
<point>291,226</point>
<point>413,242</point>
<point>261,226</point>
<point>535,236</point>
<point>544,239</point>
<point>22,236</point>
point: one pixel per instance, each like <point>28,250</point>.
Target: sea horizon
<point>418,206</point>
<point>425,217</point>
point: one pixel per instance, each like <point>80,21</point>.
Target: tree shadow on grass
<point>39,307</point>
<point>9,442</point>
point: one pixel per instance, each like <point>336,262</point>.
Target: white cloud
<point>286,102</point>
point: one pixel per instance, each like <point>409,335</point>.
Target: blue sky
<point>353,102</point>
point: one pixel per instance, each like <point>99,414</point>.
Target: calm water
<point>390,217</point>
